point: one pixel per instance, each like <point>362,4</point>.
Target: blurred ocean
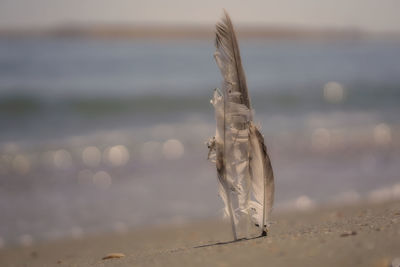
<point>100,135</point>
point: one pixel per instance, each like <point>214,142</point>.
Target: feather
<point>229,61</point>
<point>245,176</point>
<point>262,179</point>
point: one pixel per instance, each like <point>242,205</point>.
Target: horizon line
<point>193,30</point>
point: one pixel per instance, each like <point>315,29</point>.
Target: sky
<point>371,15</point>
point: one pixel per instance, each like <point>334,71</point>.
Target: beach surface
<point>357,235</point>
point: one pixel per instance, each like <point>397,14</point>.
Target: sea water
<point>105,135</point>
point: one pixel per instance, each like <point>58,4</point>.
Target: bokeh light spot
<point>91,156</point>
<point>380,195</point>
<point>62,159</point>
<point>120,227</point>
<point>173,149</point>
<point>304,203</point>
<point>118,155</point>
<point>333,92</point>
<point>102,180</point>
<point>76,232</point>
<point>382,134</point>
<point>347,197</point>
<point>10,147</point>
<point>26,240</point>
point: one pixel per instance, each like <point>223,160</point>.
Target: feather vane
<point>245,176</point>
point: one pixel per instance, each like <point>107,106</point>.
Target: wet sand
<point>358,235</point>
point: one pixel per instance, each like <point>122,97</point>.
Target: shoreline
<point>195,32</point>
<point>358,235</point>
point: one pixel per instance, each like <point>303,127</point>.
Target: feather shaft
<point>243,166</point>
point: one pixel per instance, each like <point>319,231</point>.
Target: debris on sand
<point>349,233</point>
<point>113,256</point>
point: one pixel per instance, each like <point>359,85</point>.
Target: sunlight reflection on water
<point>91,156</point>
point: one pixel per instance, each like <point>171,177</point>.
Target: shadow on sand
<point>228,242</point>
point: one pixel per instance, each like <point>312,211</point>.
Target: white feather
<point>245,175</point>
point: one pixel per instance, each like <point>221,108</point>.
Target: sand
<point>358,235</point>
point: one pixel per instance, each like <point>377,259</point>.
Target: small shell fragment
<point>349,233</point>
<point>113,256</point>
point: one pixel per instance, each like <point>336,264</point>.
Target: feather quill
<point>245,176</point>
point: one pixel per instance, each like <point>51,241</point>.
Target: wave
<point>360,96</point>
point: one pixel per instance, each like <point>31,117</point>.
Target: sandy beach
<point>358,235</point>
<point>105,119</point>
